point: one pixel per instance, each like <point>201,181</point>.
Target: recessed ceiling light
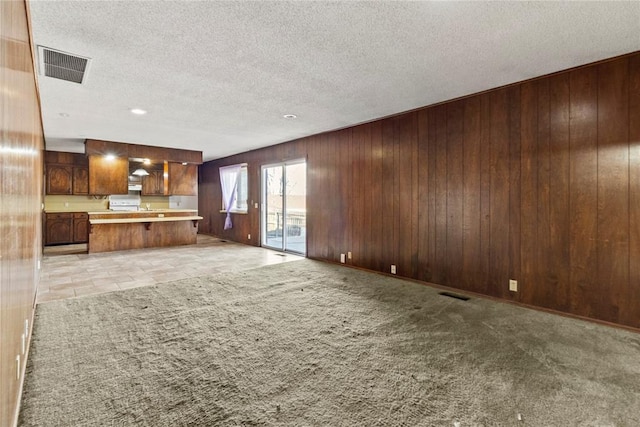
<point>64,114</point>
<point>290,116</point>
<point>138,111</point>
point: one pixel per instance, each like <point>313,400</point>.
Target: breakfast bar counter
<point>118,230</point>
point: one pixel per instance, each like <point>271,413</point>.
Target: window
<point>239,202</point>
<point>242,192</point>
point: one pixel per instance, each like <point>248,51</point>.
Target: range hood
<point>140,172</point>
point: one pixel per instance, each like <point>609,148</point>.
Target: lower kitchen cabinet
<point>80,228</point>
<point>66,228</point>
<point>58,228</point>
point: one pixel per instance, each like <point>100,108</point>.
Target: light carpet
<point>306,343</point>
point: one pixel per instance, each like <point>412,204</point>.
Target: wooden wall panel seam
<point>514,187</point>
<point>632,306</point>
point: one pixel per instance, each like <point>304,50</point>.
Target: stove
<point>124,203</point>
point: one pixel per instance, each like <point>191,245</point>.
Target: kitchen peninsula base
<point>122,231</point>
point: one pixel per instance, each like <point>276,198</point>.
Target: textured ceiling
<point>219,76</point>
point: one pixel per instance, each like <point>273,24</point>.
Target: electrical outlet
<point>342,258</point>
<point>349,255</point>
<point>66,204</point>
<point>248,236</point>
<point>513,285</point>
<point>393,269</point>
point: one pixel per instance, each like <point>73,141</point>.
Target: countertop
<point>107,212</point>
<point>64,211</point>
<point>152,211</point>
<point>143,219</point>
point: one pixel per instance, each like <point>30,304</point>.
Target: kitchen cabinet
<point>105,170</point>
<point>80,180</point>
<point>66,173</point>
<point>183,179</point>
<point>58,229</point>
<point>66,228</point>
<point>175,179</point>
<point>108,175</point>
<point>80,228</point>
<point>154,183</point>
<point>59,179</point>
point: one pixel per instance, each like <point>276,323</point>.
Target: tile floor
<point>75,275</point>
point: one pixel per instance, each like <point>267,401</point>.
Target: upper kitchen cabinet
<point>154,184</point>
<point>59,179</point>
<point>183,179</point>
<point>179,177</point>
<point>66,173</point>
<point>81,179</point>
<point>108,167</point>
<point>170,179</point>
<point>108,174</point>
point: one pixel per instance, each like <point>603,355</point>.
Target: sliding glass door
<point>284,209</point>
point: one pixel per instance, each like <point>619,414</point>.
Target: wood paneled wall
<point>537,182</point>
<point>21,154</point>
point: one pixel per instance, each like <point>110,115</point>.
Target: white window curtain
<point>229,183</point>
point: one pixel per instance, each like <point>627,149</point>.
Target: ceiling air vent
<point>63,66</point>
